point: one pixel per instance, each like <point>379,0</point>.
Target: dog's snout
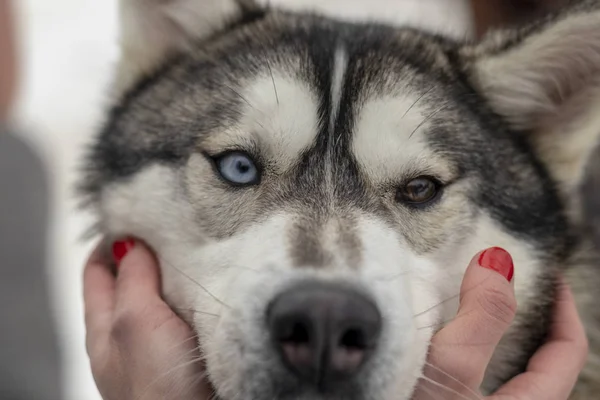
<point>324,332</point>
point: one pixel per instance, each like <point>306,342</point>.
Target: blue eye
<point>238,168</point>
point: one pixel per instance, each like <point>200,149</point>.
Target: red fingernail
<point>498,260</point>
<point>120,249</point>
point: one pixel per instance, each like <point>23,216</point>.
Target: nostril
<point>350,351</point>
<point>353,339</point>
<point>293,335</point>
<point>296,333</point>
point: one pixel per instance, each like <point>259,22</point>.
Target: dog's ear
<point>151,31</point>
<point>545,81</point>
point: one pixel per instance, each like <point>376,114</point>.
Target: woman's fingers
<point>139,308</point>
<point>138,274</point>
<point>464,348</point>
<point>98,292</point>
<point>460,352</point>
<point>553,370</point>
<point>139,348</point>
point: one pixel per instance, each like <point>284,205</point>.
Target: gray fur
<point>174,117</point>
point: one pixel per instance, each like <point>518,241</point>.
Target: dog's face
<point>315,189</point>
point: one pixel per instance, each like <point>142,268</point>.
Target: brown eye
<point>418,191</point>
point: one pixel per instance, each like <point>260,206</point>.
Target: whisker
<point>195,282</point>
<point>245,100</point>
<point>195,311</point>
<point>436,324</point>
<point>427,119</point>
<point>273,80</point>
<point>449,299</point>
<point>453,378</point>
<point>190,351</point>
<point>417,101</point>
<point>444,323</point>
<point>183,342</point>
<point>436,305</point>
<point>444,387</point>
<point>167,373</point>
<point>238,94</point>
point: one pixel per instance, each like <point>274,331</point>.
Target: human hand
<point>462,350</point>
<point>139,348</point>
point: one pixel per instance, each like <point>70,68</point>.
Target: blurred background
<point>65,53</point>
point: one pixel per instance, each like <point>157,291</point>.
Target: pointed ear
<point>545,81</point>
<point>151,31</point>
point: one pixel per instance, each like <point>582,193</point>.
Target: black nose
<point>324,332</point>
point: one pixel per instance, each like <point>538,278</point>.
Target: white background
<point>67,50</point>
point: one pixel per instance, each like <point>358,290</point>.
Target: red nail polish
<point>120,249</point>
<point>499,260</point>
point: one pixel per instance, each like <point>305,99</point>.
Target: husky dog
<point>314,189</point>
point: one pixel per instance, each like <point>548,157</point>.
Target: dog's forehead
<point>305,82</point>
<point>283,111</point>
<point>362,98</point>
<point>332,71</point>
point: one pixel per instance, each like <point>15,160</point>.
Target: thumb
<point>487,308</point>
<point>138,278</point>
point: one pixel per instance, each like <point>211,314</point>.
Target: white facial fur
<point>388,139</point>
<point>230,282</point>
